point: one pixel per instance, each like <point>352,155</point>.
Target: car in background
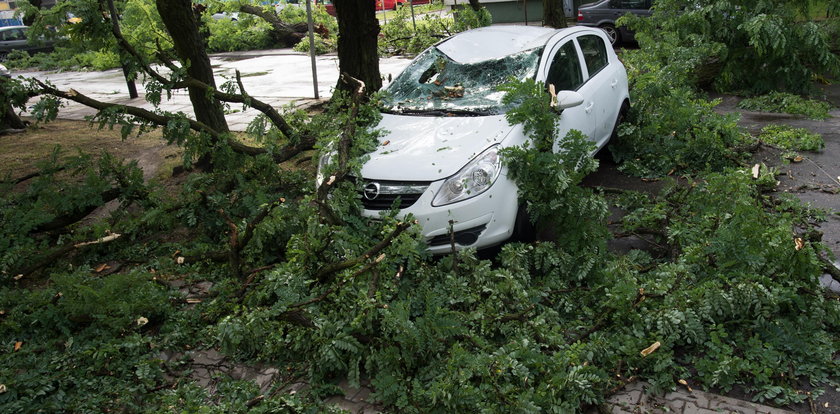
<point>603,14</point>
<point>17,38</point>
<point>444,121</point>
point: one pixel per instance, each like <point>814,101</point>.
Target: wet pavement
<point>280,77</point>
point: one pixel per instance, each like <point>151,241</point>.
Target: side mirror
<point>568,99</point>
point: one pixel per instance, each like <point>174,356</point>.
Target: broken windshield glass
<point>435,83</point>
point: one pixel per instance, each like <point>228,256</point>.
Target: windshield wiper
<point>440,112</point>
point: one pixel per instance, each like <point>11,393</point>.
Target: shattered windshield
<point>434,83</point>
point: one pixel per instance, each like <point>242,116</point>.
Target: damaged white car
<point>445,124</point>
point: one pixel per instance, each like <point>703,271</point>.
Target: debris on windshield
<point>456,91</point>
<point>434,82</point>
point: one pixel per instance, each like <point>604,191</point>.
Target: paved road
<point>280,77</point>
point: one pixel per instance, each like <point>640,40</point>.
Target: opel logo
<point>371,191</point>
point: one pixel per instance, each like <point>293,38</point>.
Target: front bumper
<point>488,218</point>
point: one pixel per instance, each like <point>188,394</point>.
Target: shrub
<point>762,46</point>
<point>247,33</point>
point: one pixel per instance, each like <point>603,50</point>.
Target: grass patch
<point>20,153</point>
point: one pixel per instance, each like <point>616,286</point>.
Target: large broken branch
<point>282,155</point>
<point>343,151</point>
<point>50,257</point>
<point>243,97</point>
<point>281,32</point>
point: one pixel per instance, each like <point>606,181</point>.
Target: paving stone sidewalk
<point>631,400</point>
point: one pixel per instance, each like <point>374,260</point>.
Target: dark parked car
<point>15,38</point>
<point>604,13</point>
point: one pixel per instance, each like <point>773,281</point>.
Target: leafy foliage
<point>670,126</point>
<point>787,103</point>
<point>790,138</point>
<point>402,36</point>
<point>757,46</point>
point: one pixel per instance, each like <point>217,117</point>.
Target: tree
<point>553,14</point>
<point>358,56</point>
<point>181,23</point>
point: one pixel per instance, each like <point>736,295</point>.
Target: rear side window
<point>565,73</point>
<point>594,53</point>
<point>630,4</point>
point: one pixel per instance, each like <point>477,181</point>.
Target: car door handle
<point>588,108</point>
<point>614,82</point>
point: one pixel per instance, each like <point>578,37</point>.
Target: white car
<point>445,125</point>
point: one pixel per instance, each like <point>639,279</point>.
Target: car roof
<point>494,42</point>
<point>13,27</point>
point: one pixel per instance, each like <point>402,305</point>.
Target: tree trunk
<point>358,56</point>
<point>476,6</point>
<point>180,22</point>
<point>28,19</point>
<point>9,119</point>
<point>553,15</point>
<point>115,22</point>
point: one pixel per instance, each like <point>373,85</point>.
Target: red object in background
<point>392,4</point>
<point>328,5</point>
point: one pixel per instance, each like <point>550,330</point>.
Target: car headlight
<point>475,178</point>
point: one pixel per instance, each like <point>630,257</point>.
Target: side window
<point>594,53</point>
<point>15,34</point>
<point>564,72</point>
<point>635,4</point>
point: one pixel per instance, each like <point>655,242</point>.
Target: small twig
<point>518,316</point>
<point>621,384</point>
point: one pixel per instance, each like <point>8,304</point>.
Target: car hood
<point>430,148</point>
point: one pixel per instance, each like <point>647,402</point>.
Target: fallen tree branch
<point>243,97</point>
<point>343,152</point>
<point>76,215</point>
<point>163,120</point>
<point>326,273</point>
<point>49,258</point>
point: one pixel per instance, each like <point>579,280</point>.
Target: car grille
<point>463,237</point>
<point>381,195</point>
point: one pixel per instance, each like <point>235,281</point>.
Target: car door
<point>602,82</point>
<point>564,70</point>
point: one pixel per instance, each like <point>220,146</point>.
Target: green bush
<point>227,35</point>
<point>787,103</point>
<point>762,46</point>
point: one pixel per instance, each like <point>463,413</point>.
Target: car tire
<point>622,113</point>
<point>523,230</point>
<point>612,33</point>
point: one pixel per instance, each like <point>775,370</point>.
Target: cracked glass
<point>435,84</point>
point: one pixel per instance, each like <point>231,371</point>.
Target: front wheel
<point>612,33</point>
<point>523,230</point>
